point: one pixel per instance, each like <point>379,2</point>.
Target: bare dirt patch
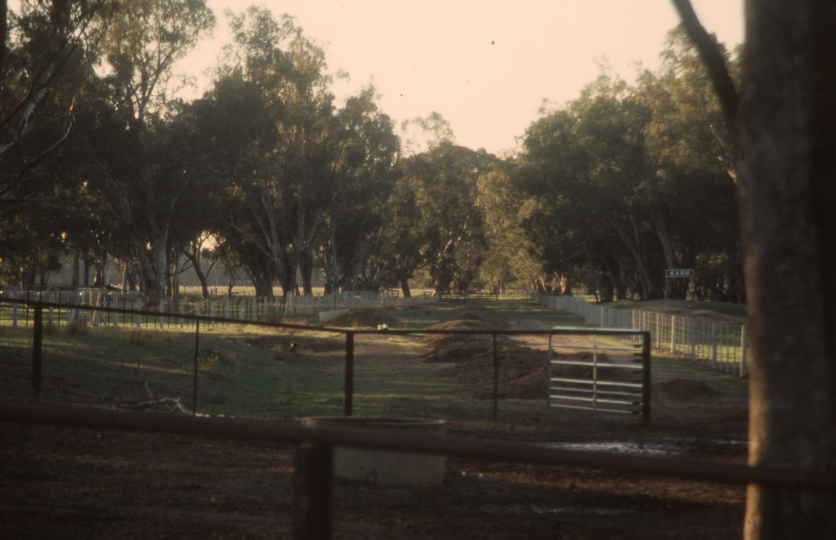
<point>364,318</point>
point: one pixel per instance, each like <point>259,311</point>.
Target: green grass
<point>115,368</point>
<point>543,314</point>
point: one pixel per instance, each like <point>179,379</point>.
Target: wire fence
<point>718,345</point>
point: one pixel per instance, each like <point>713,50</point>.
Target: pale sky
<point>485,65</point>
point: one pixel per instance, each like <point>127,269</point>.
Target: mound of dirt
<point>455,347</point>
<point>522,372</point>
<point>364,318</point>
<point>685,389</point>
<point>303,343</point>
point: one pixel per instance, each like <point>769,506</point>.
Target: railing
<point>313,474</point>
<point>597,393</point>
<point>720,346</point>
<point>111,316</point>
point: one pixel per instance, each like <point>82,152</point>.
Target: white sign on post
<point>679,273</point>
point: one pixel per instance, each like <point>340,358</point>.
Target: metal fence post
<point>645,378</point>
<point>196,356</point>
<point>348,409</point>
<point>495,378</point>
<point>313,486</point>
<point>37,349</point>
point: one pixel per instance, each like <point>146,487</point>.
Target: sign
<point>679,273</point>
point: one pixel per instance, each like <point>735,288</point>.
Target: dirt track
<point>63,483</point>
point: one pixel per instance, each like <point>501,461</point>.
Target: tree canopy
<point>268,173</point>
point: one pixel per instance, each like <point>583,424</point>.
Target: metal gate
<point>592,392</point>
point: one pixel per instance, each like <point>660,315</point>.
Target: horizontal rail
<point>634,348</point>
<point>492,450</point>
<point>562,389</point>
<point>590,364</point>
<point>591,382</point>
<point>596,400</point>
<point>598,409</point>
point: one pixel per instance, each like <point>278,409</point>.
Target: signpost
<point>679,273</point>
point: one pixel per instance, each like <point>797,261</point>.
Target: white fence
<point>236,307</point>
<point>721,346</point>
<point>347,300</point>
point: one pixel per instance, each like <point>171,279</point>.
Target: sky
<point>485,65</point>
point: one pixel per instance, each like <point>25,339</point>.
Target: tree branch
<point>714,62</point>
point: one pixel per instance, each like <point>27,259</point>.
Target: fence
<point>350,299</point>
<point>110,316</point>
<point>720,346</point>
<point>226,307</point>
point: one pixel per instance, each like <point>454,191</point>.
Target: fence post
<point>692,330</point>
<point>673,334</point>
<point>196,355</point>
<point>744,350</point>
<point>313,485</point>
<point>37,349</point>
<point>713,345</point>
<point>348,406</point>
<point>495,378</point>
<point>645,378</point>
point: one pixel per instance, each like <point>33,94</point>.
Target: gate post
<point>348,406</point>
<point>37,348</point>
<point>645,378</point>
<point>313,486</point>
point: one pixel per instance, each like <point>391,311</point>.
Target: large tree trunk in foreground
<point>787,153</point>
<point>784,127</point>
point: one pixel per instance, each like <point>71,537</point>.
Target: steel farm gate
<point>591,391</point>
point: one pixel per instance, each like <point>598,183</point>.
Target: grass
<point>117,368</point>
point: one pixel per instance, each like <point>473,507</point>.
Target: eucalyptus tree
<point>582,167</point>
<point>690,188</point>
<point>362,170</point>
<point>279,183</point>
<point>47,54</point>
<point>509,259</point>
<point>444,182</point>
<point>782,120</point>
<point>138,173</point>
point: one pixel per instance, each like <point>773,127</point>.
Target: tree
<point>139,174</point>
<point>47,55</point>
<point>278,184</point>
<point>444,181</point>
<point>362,170</point>
<point>783,125</point>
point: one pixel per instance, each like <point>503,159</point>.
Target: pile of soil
<point>364,318</point>
<point>454,347</point>
<point>685,389</point>
<point>522,372</point>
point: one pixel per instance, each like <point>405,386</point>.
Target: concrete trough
<point>383,467</point>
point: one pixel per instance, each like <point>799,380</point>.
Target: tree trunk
<point>787,168</point>
<point>784,127</point>
<point>153,267</point>
<point>76,270</point>
<point>407,293</point>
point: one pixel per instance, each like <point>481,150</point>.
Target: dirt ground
<point>66,483</point>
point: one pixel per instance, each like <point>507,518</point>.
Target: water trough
<point>384,467</point>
